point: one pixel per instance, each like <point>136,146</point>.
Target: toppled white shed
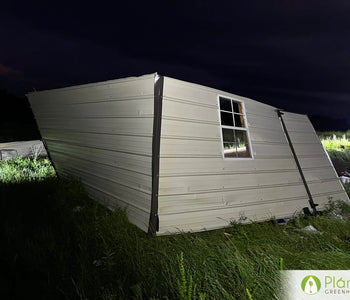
<point>184,157</point>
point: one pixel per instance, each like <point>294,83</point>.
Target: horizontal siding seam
<point>190,102</point>
<point>289,121</point>
<point>85,146</point>
<point>165,117</point>
<point>200,226</point>
<point>101,100</point>
<point>110,180</point>
<point>93,117</point>
<point>323,180</point>
<point>254,142</point>
<point>340,191</point>
<point>263,128</point>
<point>256,156</point>
<point>294,170</point>
<point>321,155</point>
<point>115,197</point>
<point>99,163</point>
<point>297,131</point>
<point>65,130</point>
<point>239,205</point>
<point>224,190</point>
<point>111,99</point>
<point>191,138</point>
<point>189,155</point>
<point>304,143</point>
<point>218,139</point>
<point>272,116</point>
<point>260,156</point>
<point>92,85</point>
<point>108,151</point>
<point>318,168</point>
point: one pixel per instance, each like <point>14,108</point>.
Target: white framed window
<point>235,137</point>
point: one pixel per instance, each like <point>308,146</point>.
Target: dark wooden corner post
<point>153,226</point>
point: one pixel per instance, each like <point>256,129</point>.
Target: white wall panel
<point>320,175</point>
<point>198,189</point>
<point>102,133</point>
<point>209,219</point>
<point>140,145</point>
<point>178,166</point>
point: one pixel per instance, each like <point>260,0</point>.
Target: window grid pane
<point>239,120</point>
<point>235,139</point>
<point>226,118</point>
<point>225,104</point>
<point>235,143</point>
<point>228,135</point>
<point>235,107</point>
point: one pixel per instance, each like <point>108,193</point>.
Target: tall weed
<point>338,148</point>
<point>25,169</point>
<point>76,248</point>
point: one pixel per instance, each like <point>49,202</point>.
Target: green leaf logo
<point>310,285</point>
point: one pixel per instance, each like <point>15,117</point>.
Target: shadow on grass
<point>39,234</point>
<point>59,244</point>
<point>26,213</point>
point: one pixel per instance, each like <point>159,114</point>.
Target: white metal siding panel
<point>116,126</point>
<point>241,197</point>
<point>179,166</point>
<point>102,133</point>
<point>122,143</point>
<point>112,108</point>
<point>210,219</point>
<point>120,160</point>
<point>210,183</point>
<point>311,162</point>
<point>198,190</point>
<point>270,123</point>
<point>320,175</point>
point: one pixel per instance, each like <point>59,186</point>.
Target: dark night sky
<point>293,55</point>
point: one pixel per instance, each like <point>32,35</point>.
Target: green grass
<point>338,148</point>
<point>25,169</point>
<point>58,243</point>
<point>329,134</point>
<point>337,144</point>
<point>340,155</point>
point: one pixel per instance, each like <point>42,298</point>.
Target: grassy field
<point>338,134</point>
<point>59,244</point>
<point>338,148</point>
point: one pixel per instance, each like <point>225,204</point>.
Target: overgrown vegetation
<point>330,134</point>
<point>25,169</point>
<point>58,243</point>
<point>337,145</point>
